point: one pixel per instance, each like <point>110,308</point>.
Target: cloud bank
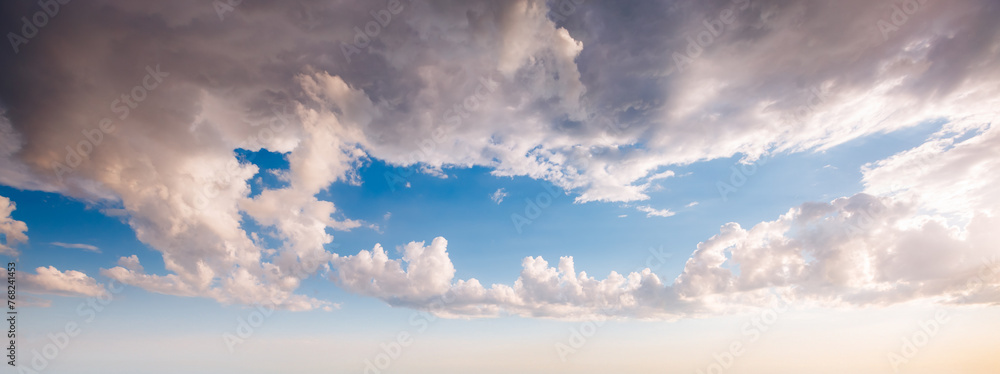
<point>929,239</point>
<point>140,106</point>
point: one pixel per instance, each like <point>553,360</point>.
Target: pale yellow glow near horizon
<point>818,341</point>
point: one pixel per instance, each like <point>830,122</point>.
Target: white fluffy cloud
<point>428,272</point>
<point>198,225</point>
<point>12,231</point>
<point>858,250</point>
<point>49,280</point>
<point>220,260</point>
<point>653,212</point>
<point>591,102</point>
<point>427,282</point>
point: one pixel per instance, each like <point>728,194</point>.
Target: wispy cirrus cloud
<point>498,195</point>
<point>85,247</point>
<point>653,212</point>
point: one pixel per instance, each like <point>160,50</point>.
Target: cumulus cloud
<point>49,280</point>
<point>424,278</point>
<point>12,231</point>
<point>592,101</point>
<point>428,271</point>
<point>168,158</point>
<point>860,250</point>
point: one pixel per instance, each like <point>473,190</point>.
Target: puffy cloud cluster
<point>428,272</point>
<point>49,280</point>
<point>924,229</point>
<point>594,100</point>
<point>263,79</point>
<point>12,231</point>
<point>210,254</point>
<point>427,282</point>
<point>860,250</point>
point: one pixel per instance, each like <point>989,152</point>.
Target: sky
<point>563,186</point>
